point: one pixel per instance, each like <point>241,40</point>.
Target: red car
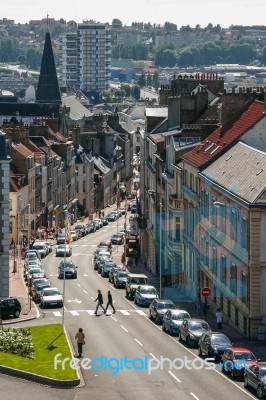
<point>236,359</point>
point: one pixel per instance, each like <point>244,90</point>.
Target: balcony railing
<point>175,203</point>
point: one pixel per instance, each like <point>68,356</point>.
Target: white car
<point>74,235</point>
<point>51,297</point>
<point>42,248</point>
<point>145,294</point>
<point>62,250</point>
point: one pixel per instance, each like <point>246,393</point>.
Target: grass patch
<point>48,340</point>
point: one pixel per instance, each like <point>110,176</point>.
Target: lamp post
<point>161,250</point>
<point>64,280</point>
<point>29,227</point>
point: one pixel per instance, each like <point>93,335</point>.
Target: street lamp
<point>29,227</point>
<point>161,249</point>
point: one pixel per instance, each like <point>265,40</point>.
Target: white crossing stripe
<point>124,312</point>
<point>74,312</point>
<point>140,312</point>
<point>57,314</point>
<point>91,312</point>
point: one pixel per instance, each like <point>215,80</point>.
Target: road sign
<point>205,291</point>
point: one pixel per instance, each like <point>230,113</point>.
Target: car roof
<point>175,311</point>
<point>241,349</point>
<point>147,286</point>
<point>164,301</point>
<point>52,287</point>
<point>196,320</point>
<point>137,275</point>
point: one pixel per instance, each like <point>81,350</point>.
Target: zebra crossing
<point>77,313</point>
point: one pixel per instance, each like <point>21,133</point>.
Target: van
<point>133,281</point>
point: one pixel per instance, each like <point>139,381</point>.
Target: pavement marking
<point>91,312</point>
<point>153,356</point>
<point>124,312</point>
<point>111,286</point>
<point>92,298</point>
<point>75,313</point>
<point>178,380</point>
<point>85,291</point>
<point>79,285</point>
<point>136,340</point>
<point>57,314</point>
<point>114,318</point>
<point>193,395</point>
<point>140,312</point>
<point>124,328</point>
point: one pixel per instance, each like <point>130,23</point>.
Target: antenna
<point>47,22</point>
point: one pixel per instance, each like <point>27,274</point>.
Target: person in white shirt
<point>219,319</point>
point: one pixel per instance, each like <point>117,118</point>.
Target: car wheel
<point>157,320</point>
<point>170,331</point>
<point>150,316</point>
<point>16,313</point>
<point>135,301</point>
<point>246,382</point>
<point>259,392</point>
<point>180,337</point>
<point>126,294</point>
<point>163,328</point>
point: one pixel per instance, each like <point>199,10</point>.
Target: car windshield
<point>122,275</point>
<point>220,340</point>
<point>39,247</point>
<point>35,270</point>
<point>148,290</point>
<point>52,292</point>
<point>244,356</point>
<point>39,288</point>
<point>180,316</point>
<point>138,281</point>
<point>195,326</point>
<point>162,306</point>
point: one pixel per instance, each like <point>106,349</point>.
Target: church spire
<point>48,89</point>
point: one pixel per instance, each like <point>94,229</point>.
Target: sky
<point>180,12</point>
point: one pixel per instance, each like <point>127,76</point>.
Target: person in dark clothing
<point>99,299</point>
<point>80,338</point>
<point>109,302</point>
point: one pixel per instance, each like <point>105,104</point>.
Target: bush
<point>17,341</point>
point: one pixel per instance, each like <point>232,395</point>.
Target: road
<point>129,333</point>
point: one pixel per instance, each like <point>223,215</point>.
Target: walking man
<point>109,302</point>
<point>219,319</point>
<point>99,299</point>
<point>80,338</point>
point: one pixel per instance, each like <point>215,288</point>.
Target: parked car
<point>51,297</point>
<point>236,359</point>
<point>255,377</point>
<point>81,229</point>
<point>34,273</point>
<point>118,212</point>
<point>158,308</point>
<point>120,279</point>
<point>10,307</point>
<point>91,228</point>
<point>106,268</point>
<point>213,344</point>
<point>134,209</point>
<point>49,246</point>
<point>42,248</point>
<point>102,257</point>
<point>37,289</point>
<point>117,239</point>
<point>105,243</point>
<point>32,263</point>
<point>133,281</point>
<point>145,294</point>
<point>104,221</point>
<point>32,257</point>
<point>115,268</point>
<point>111,217</point>
<point>74,235</point>
<point>172,320</point>
<point>69,268</point>
<point>39,281</point>
<point>123,210</point>
<point>32,254</point>
<point>62,250</point>
<point>191,330</point>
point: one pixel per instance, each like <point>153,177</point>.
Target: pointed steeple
<point>48,89</point>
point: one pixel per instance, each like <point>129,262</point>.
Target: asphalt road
<point>128,333</point>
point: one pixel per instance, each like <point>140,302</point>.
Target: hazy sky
<point>180,12</point>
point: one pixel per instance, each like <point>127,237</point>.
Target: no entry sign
<point>206,291</point>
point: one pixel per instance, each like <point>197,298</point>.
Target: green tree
<point>170,27</point>
<point>116,23</point>
<point>9,49</point>
<point>135,91</point>
<point>188,57</point>
<point>142,80</point>
<point>149,80</point>
<point>165,58</point>
<point>34,58</point>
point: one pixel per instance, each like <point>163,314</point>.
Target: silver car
<point>172,320</point>
<point>145,294</point>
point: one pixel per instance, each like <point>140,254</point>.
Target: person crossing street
<point>109,302</point>
<point>99,299</point>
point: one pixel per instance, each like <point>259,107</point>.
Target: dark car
<point>106,268</point>
<point>255,377</point>
<point>113,271</point>
<point>111,217</point>
<point>101,259</point>
<point>172,320</point>
<point>10,307</point>
<point>117,239</point>
<point>120,279</point>
<point>91,228</point>
<point>37,289</point>
<point>191,330</point>
<point>104,221</point>
<point>158,308</point>
<point>81,229</point>
<point>213,344</point>
<point>70,270</point>
<point>235,360</point>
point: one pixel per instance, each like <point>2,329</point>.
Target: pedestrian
<point>99,299</point>
<point>100,213</point>
<point>80,338</point>
<point>109,302</point>
<point>219,319</point>
<point>103,214</point>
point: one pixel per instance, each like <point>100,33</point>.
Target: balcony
<point>175,203</point>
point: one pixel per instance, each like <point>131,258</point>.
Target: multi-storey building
<point>85,57</point>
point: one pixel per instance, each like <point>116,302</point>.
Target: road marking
<point>124,312</point>
<point>74,313</point>
<point>113,318</point>
<point>111,286</point>
<point>91,312</point>
<point>92,298</point>
<point>57,314</point>
<point>85,291</point>
<point>79,285</point>
<point>193,395</point>
<point>140,312</point>
<point>173,376</point>
<point>136,340</point>
<point>74,301</point>
<point>153,356</point>
<point>124,328</point>
<point>85,275</point>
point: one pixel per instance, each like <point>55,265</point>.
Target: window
<point>191,182</point>
<point>77,187</point>
<point>223,269</point>
<point>207,254</point>
<point>214,260</point>
<point>244,287</point>
<point>177,229</point>
<point>233,278</point>
<point>223,218</point>
<point>83,186</point>
<point>243,233</point>
<point>84,169</point>
<point>233,224</point>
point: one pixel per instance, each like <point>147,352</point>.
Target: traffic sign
<point>206,291</point>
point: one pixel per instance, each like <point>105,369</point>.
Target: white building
<point>85,57</point>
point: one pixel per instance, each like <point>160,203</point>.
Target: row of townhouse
<point>203,200</point>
